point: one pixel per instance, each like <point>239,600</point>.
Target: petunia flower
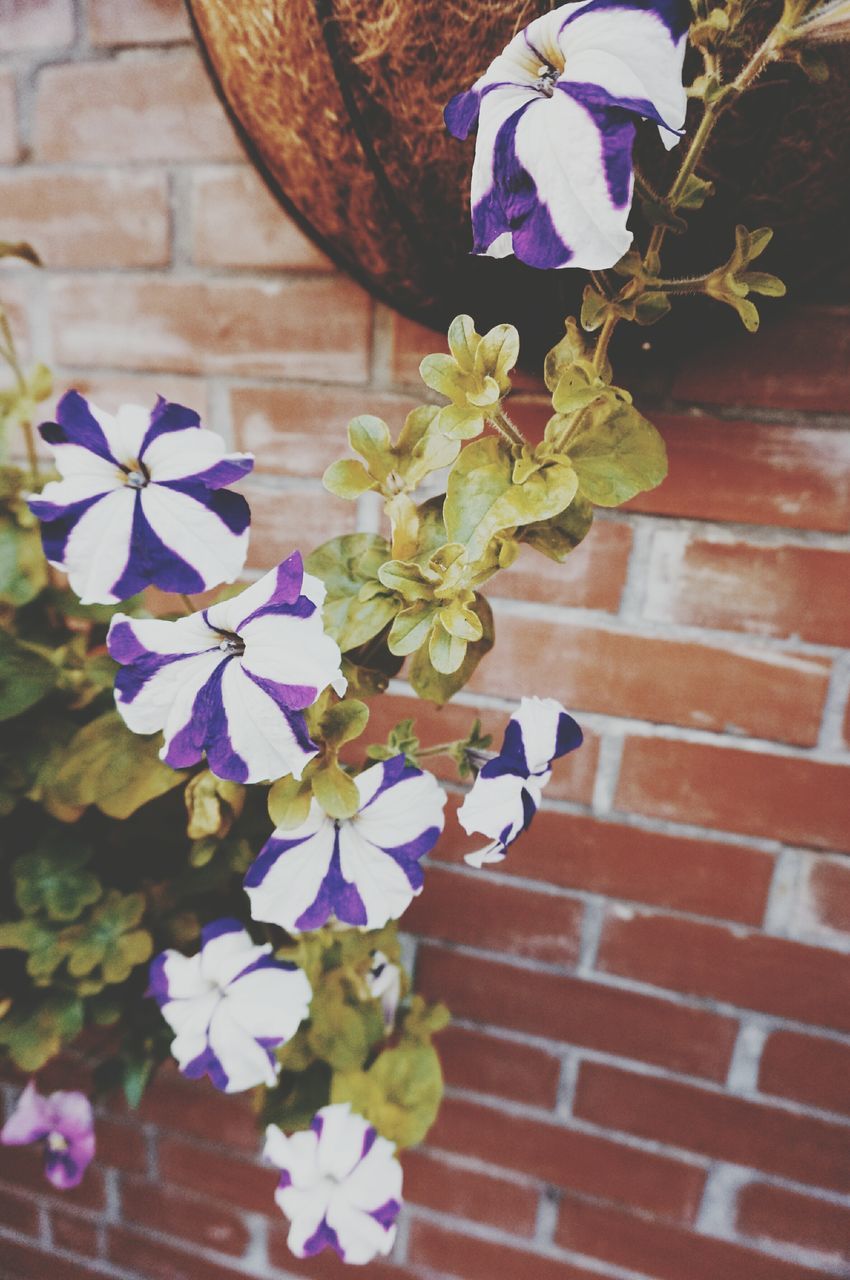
<point>64,1123</point>
<point>230,1006</point>
<point>231,681</point>
<point>362,870</point>
<point>340,1186</point>
<point>507,792</point>
<point>141,501</point>
<point>552,178</point>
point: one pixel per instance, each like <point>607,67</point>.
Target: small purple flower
<point>362,870</point>
<point>340,1186</point>
<point>555,111</point>
<point>64,1123</point>
<point>230,1006</point>
<point>232,681</point>
<point>141,501</point>
<point>507,792</point>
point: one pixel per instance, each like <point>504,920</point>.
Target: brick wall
<point>648,1069</point>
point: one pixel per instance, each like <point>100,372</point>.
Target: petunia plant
<point>205,852</point>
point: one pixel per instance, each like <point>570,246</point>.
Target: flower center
<point>136,475</point>
<point>231,644</point>
<point>546,77</point>
<point>56,1142</point>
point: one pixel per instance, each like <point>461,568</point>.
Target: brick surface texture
<point>648,1072</point>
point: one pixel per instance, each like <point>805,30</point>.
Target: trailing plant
<point>204,852</point>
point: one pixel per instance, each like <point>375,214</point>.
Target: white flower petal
<point>281,885</point>
<point>245,1062</point>
<point>383,887</point>
<point>493,807</point>
<point>176,455</point>
<point>259,731</point>
<point>195,534</point>
<point>402,812</point>
<point>290,650</point>
<point>538,718</point>
<point>227,949</point>
<point>360,1236</point>
<point>341,1140</point>
<point>98,547</point>
<point>126,431</point>
<point>270,1003</point>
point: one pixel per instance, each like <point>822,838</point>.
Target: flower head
<point>340,1186</point>
<point>362,870</point>
<point>233,680</point>
<point>64,1123</point>
<point>507,792</point>
<point>556,110</point>
<point>141,501</point>
<point>230,1006</point>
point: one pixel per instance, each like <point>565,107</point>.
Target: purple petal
<point>322,1238</point>
<point>58,522</point>
<point>231,508</point>
<point>267,857</point>
<point>150,561</point>
<point>289,578</point>
<point>218,928</point>
<point>76,424</point>
<point>167,417</point>
<point>337,896</point>
<point>461,114</point>
<point>227,471</point>
<point>386,1215</point>
<point>675,14</point>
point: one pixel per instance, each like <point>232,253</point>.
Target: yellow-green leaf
<point>616,453</point>
<point>347,478</point>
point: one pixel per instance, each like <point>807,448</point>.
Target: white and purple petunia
<point>141,501</point>
<point>340,1186</point>
<point>507,792</point>
<point>552,178</point>
<point>233,680</point>
<point>230,1006</point>
<point>362,870</point>
<point>64,1123</point>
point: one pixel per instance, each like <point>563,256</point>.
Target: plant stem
<point>601,350</point>
<point>187,603</point>
<point>441,749</point>
<point>8,353</point>
<point>507,429</point>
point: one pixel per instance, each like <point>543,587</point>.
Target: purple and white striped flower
<point>64,1123</point>
<point>233,680</point>
<point>340,1186</point>
<point>362,870</point>
<point>552,178</point>
<point>507,792</point>
<point>141,501</point>
<point>230,1006</point>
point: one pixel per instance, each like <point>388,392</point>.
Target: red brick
<point>23,1169</point>
<point>299,431</point>
<point>8,118</point>
<point>801,360</point>
<point>36,24</point>
<point>716,1125</point>
<point>750,970</point>
<point>110,390</point>
<point>808,1069</point>
<point>217,1175</point>
<point>468,909</point>
<point>572,776</point>
<point>752,473</point>
<point>592,577</point>
<point>121,1145</point>
<point>285,519</point>
<point>782,797</point>
<point>579,1012</point>
<point>490,1064</point>
<point>738,586</point>
<point>74,1232</point>
<point>704,877</point>
<point>157,107</point>
<point>773,1213</point>
<point>743,690</point>
<point>137,22</point>
<point>570,1159</point>
<point>236,222</point>
<point>157,1260</point>
<point>117,219</point>
<point>301,328</point>
<point>28,1262</point>
<point>829,891</point>
<point>188,1217</point>
<point>446,1188</point>
<point>410,343</point>
<point>18,1213</point>
<point>196,1109</point>
<point>470,1258</point>
<point>664,1252</point>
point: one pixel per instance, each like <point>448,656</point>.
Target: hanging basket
<point>339,104</point>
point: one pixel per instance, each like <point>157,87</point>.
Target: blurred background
<point>649,1066</point>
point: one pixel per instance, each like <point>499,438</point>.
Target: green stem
<point>506,429</point>
<point>601,350</point>
<point>8,353</point>
<point>441,749</point>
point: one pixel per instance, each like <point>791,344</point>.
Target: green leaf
<point>40,382</point>
<point>651,307</point>
<point>593,309</point>
<point>25,676</point>
<point>212,805</point>
<point>464,342</point>
<point>445,651</point>
<point>439,687</point>
<point>23,568</point>
<point>370,437</point>
<point>482,500</point>
<point>344,721</point>
<point>37,1028</point>
<point>401,1092</point>
<point>108,766</point>
<point>564,354</point>
<point>135,1076</point>
<point>44,945</point>
<point>497,353</point>
<point>289,802</point>
<point>109,939</point>
<point>343,1027</point>
<point>400,741</point>
<point>53,878</point>
<point>616,454</point>
<point>347,478</point>
<point>348,566</point>
<point>764,283</point>
<point>422,447</point>
<point>411,628</point>
<point>336,791</point>
<point>557,537</point>
<point>695,193</point>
